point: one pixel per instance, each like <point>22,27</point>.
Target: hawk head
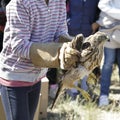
<point>92,50</point>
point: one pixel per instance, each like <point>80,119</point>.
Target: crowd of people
<point>30,33</point>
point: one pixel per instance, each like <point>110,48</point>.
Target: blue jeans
<point>111,56</point>
<point>20,102</point>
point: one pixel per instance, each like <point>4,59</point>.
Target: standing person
<point>30,46</point>
<point>3,3</point>
<point>81,18</point>
<point>109,21</point>
<point>2,24</point>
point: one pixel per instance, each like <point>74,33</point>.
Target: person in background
<point>30,46</point>
<point>109,20</point>
<point>2,24</point>
<point>81,18</point>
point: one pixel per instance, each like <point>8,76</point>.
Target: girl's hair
<point>4,3</point>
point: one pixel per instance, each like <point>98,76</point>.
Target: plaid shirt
<point>29,21</point>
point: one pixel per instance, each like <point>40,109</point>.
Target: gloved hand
<point>54,55</point>
<point>69,49</point>
<point>68,56</point>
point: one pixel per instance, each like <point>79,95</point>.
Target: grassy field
<point>83,110</point>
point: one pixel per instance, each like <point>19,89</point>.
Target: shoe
<point>103,100</point>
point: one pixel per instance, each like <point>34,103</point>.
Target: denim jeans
<point>111,56</point>
<point>20,102</point>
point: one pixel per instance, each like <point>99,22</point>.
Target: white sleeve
<point>110,8</point>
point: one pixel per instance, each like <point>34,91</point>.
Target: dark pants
<point>20,103</point>
<point>52,75</point>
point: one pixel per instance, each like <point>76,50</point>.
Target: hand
<point>70,54</point>
<point>95,27</point>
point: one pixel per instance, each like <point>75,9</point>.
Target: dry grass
<point>83,110</point>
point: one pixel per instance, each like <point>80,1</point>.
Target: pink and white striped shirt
<point>29,21</point>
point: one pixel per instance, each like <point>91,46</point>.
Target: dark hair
<point>4,3</point>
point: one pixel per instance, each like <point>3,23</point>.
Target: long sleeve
<point>18,22</point>
<point>110,7</point>
<point>62,27</point>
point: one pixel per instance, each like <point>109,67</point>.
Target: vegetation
<point>80,109</point>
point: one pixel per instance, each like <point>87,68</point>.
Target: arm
<point>19,24</point>
<point>110,8</point>
<point>55,55</point>
<point>41,54</point>
<point>62,29</point>
<point>95,25</point>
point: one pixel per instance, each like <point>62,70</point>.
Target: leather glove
<point>75,44</point>
<point>54,55</point>
<point>65,38</point>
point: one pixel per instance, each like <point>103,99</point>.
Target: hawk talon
<point>84,93</point>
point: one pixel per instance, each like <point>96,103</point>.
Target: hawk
<point>91,49</point>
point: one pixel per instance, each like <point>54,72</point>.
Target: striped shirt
<point>29,21</point>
